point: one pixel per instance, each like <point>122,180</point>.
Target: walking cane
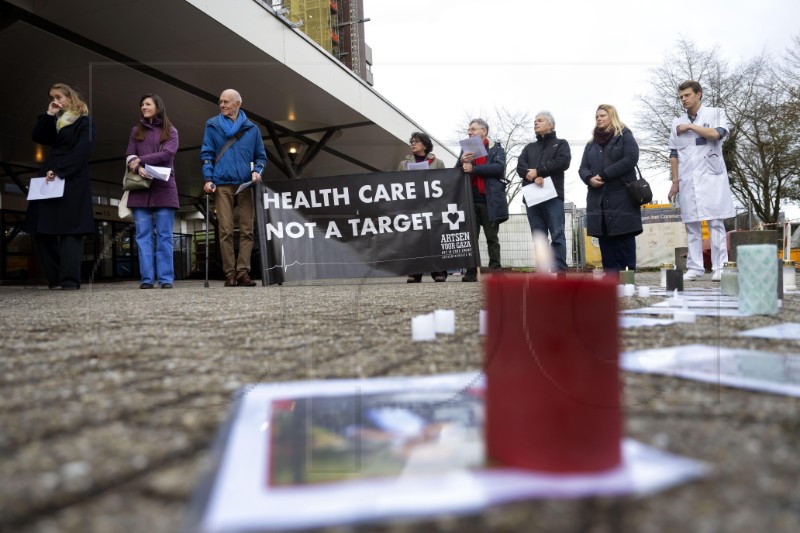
<point>207,219</point>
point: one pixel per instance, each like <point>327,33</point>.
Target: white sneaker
<point>693,275</point>
<point>717,275</point>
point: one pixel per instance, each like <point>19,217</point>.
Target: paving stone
<point>110,398</point>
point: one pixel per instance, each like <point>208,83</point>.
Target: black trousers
<point>618,252</point>
<point>60,256</point>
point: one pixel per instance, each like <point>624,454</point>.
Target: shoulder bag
<point>228,144</point>
<point>639,190</point>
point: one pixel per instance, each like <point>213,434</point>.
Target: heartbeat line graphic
<point>285,266</point>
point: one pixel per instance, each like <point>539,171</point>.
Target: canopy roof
<point>188,51</point>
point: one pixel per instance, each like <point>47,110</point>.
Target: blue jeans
<point>165,219</point>
<point>549,216</point>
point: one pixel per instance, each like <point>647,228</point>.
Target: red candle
<point>553,399</point>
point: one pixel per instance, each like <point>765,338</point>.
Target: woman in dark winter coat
<point>609,161</point>
<point>59,224</point>
<point>154,142</point>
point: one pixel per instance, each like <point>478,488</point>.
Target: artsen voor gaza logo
<point>453,216</point>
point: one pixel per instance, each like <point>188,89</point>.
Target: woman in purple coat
<point>154,142</point>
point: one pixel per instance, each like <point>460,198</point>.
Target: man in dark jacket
<point>242,161</point>
<point>548,157</point>
<point>488,178</point>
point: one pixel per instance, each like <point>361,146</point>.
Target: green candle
<point>626,277</point>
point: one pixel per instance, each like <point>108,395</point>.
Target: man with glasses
<point>488,178</point>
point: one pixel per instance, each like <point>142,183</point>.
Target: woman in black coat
<point>59,224</point>
<point>608,162</point>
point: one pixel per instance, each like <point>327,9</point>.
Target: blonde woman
<point>59,224</point>
<point>608,162</point>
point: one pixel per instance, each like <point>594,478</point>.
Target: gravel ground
<point>112,395</point>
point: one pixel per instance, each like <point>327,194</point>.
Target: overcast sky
<point>440,60</point>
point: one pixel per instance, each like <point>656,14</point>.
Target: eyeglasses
<point>414,141</point>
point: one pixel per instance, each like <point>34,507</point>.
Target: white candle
<point>423,328</point>
<point>630,289</point>
<point>644,292</point>
<point>445,321</point>
<point>789,278</point>
<point>676,300</point>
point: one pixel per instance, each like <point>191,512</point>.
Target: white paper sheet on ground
<point>686,290</point>
<point>157,173</point>
<point>641,322</point>
<point>242,498</point>
<point>244,186</point>
<point>474,145</point>
<point>788,331</point>
<point>534,194</point>
<point>422,165</point>
<point>41,189</point>
<point>699,311</point>
<point>747,369</point>
<point>707,303</point>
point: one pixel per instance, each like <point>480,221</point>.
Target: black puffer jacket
<point>550,157</point>
<point>610,202</point>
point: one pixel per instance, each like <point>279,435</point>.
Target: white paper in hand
<point>157,173</point>
<point>422,165</point>
<point>244,186</point>
<point>41,189</point>
<point>534,194</point>
<point>474,145</point>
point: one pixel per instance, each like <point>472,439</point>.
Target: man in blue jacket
<point>233,154</point>
<point>488,179</point>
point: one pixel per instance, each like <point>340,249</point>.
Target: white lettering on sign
<point>293,230</point>
<point>380,193</point>
<point>333,230</point>
<point>307,199</point>
<point>385,224</point>
<point>433,189</point>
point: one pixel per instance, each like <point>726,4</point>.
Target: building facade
<point>335,25</point>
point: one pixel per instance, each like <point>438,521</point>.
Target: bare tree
<point>513,130</point>
<point>761,151</point>
<point>660,105</point>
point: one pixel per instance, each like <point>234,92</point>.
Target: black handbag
<point>639,190</point>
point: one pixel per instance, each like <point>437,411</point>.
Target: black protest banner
<point>367,225</point>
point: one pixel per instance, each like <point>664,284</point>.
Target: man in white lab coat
<point>699,173</point>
